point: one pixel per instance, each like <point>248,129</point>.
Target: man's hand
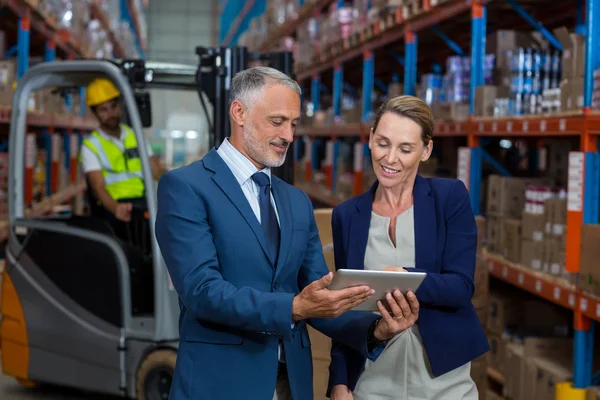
<point>341,392</point>
<point>123,211</point>
<point>404,315</point>
<point>395,269</point>
<point>316,301</point>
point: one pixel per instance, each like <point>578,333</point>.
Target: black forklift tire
<point>155,375</point>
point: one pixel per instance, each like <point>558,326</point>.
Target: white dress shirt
<point>243,169</point>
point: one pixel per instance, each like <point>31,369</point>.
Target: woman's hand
<point>341,392</point>
<point>404,315</point>
<point>395,269</point>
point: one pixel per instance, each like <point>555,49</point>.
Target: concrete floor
<point>11,390</point>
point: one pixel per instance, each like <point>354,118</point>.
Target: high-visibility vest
<point>122,170</point>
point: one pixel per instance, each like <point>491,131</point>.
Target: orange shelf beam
<point>540,284</point>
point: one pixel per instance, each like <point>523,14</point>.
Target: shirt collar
<point>107,136</point>
<point>240,165</point>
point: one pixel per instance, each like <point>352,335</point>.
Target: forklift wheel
<point>155,375</point>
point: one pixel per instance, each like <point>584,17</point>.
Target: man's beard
<point>112,123</point>
<point>260,151</point>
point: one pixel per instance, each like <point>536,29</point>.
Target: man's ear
<point>238,113</point>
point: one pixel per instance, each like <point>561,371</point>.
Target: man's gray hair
<point>247,85</point>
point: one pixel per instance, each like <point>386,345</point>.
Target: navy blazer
<point>445,248</point>
<point>236,303</point>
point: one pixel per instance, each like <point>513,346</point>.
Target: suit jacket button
<point>275,286</point>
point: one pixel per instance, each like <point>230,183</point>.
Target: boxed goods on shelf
<point>7,79</point>
<point>533,368</point>
<point>525,68</point>
<point>590,254</point>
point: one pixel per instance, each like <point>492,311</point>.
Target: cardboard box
<point>555,217</point>
<point>565,95</point>
<point>575,94</point>
<point>514,374</point>
<point>532,254</point>
<point>323,220</point>
<point>525,376</point>
<point>482,315</point>
<point>320,378</point>
<point>494,234</point>
<point>481,231</point>
<point>573,55</point>
<point>8,74</point>
<point>503,313</point>
<point>590,254</point>
<point>551,371</point>
<point>511,240</point>
<point>506,195</point>
<point>503,41</point>
<point>593,393</point>
<point>485,100</point>
<point>496,355</point>
<point>533,226</point>
<point>553,261</point>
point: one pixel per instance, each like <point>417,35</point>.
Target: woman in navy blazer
<point>408,222</point>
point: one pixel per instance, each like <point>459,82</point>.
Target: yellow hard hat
<point>99,91</point>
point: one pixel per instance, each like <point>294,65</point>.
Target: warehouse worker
<point>109,156</point>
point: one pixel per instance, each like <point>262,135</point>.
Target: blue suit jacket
<point>236,305</point>
<point>445,248</point>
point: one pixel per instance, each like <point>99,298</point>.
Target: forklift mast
<point>217,67</point>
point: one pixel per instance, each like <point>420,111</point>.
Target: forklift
<point>81,307</point>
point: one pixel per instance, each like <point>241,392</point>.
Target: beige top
<point>402,371</point>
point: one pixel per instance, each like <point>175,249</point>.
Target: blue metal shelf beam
<point>23,46</point>
<point>399,59</point>
<point>128,18</point>
<point>478,32</point>
<point>338,79</point>
<point>315,93</point>
<point>449,42</point>
<point>368,82</point>
<point>410,66</point>
<point>492,161</point>
<point>535,24</point>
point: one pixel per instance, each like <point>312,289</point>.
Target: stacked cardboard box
<point>321,344</point>
<point>572,64</point>
<point>480,302</point>
<point>505,205</point>
<point>534,367</point>
<point>544,231</point>
<point>590,254</point>
<point>512,315</point>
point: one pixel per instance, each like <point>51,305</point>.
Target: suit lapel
<point>285,221</point>
<point>224,178</point>
<point>358,234</point>
<point>425,225</point>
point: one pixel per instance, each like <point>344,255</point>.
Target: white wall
<point>176,27</point>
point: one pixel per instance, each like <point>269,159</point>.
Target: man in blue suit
<point>244,255</point>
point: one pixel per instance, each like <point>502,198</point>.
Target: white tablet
<point>382,282</point>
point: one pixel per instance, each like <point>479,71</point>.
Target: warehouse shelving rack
<point>56,130</point>
<point>584,165</point>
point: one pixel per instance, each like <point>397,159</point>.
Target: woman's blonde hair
<point>410,107</point>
